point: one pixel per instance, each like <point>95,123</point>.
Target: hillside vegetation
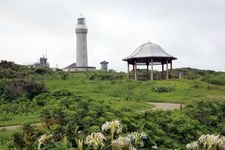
<point>66,104</point>
<point>209,76</point>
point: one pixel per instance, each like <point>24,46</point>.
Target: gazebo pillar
<point>135,71</point>
<point>167,70</point>
<point>148,76</point>
<point>128,70</point>
<point>151,68</point>
<point>162,71</point>
<point>171,69</point>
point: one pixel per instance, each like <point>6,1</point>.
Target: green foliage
<point>18,141</point>
<point>166,129</point>
<point>10,70</point>
<point>43,71</point>
<point>66,115</point>
<point>213,77</point>
<point>208,113</point>
<point>6,138</point>
<point>103,75</point>
<point>78,103</point>
<point>15,88</point>
<point>64,75</point>
<point>61,93</point>
<point>6,64</point>
<point>9,73</point>
<point>181,91</point>
<point>26,139</point>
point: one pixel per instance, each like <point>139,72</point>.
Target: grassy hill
<point>180,91</point>
<point>29,95</point>
<point>112,87</point>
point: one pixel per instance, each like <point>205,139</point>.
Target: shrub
<point>13,89</point>
<point>102,75</point>
<point>43,71</point>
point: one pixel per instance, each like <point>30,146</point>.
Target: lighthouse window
<point>83,39</point>
<point>83,47</point>
<point>83,56</point>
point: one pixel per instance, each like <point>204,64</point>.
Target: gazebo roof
<point>149,50</point>
<point>104,62</point>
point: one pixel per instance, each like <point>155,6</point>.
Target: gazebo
<point>149,54</point>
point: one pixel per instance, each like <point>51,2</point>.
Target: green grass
<point>6,137</point>
<point>6,120</point>
<point>181,91</point>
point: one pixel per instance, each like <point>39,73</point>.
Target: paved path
<point>166,106</point>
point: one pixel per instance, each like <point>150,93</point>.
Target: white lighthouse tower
<point>81,51</point>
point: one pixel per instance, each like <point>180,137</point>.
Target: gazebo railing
<point>143,75</point>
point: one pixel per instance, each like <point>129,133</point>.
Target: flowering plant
<point>96,140</point>
<point>121,143</point>
<point>44,138</point>
<point>114,126</point>
<point>207,142</point>
<point>137,138</point>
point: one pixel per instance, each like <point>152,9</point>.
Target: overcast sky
<point>191,30</point>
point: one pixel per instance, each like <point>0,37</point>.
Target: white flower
<point>136,136</point>
<point>121,142</point>
<point>221,142</point>
<point>192,146</point>
<point>143,135</point>
<point>44,138</point>
<point>113,126</point>
<point>155,147</point>
<point>96,139</point>
<point>209,140</point>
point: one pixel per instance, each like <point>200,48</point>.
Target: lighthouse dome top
<point>149,50</point>
<point>81,24</point>
<point>81,21</point>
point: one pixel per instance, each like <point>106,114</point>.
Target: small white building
<point>43,63</point>
<point>104,65</point>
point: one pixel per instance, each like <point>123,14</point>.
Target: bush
<point>102,75</point>
<point>13,89</point>
<point>9,73</point>
<point>61,93</point>
<point>218,80</point>
<point>43,71</point>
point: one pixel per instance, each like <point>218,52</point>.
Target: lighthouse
<point>81,49</point>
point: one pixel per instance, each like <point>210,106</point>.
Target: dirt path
<point>166,106</point>
<point>13,127</point>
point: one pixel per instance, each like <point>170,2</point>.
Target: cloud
<point>193,31</point>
